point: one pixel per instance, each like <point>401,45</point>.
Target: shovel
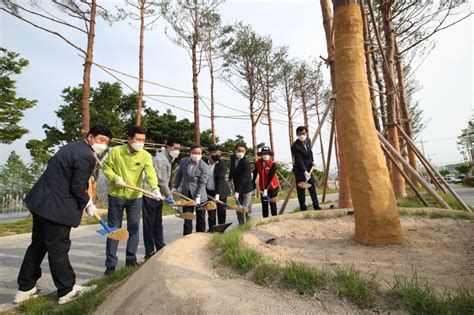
<point>111,232</point>
<point>306,185</point>
<point>237,208</point>
<point>272,200</point>
<point>179,214</point>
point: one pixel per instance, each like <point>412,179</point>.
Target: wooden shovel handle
<point>97,216</point>
<point>214,199</point>
<point>144,191</point>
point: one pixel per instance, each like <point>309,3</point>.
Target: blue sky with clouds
<point>446,75</point>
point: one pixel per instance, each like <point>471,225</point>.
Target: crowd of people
<point>59,198</point>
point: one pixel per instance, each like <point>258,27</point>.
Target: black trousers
<point>221,211</point>
<point>153,237</point>
<point>273,206</point>
<point>312,193</point>
<point>200,220</point>
<point>52,238</point>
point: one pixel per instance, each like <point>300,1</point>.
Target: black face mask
<point>215,158</point>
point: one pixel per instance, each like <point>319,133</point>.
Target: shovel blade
<point>108,230</point>
<point>304,185</point>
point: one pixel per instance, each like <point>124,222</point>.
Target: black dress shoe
<point>109,271</point>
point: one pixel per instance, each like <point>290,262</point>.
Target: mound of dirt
<point>441,251</point>
<point>181,280</point>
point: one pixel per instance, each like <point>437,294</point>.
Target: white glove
<point>198,200</point>
<point>157,194</point>
<point>91,210</point>
<point>314,164</point>
<point>173,190</point>
<point>236,195</point>
<point>265,193</point>
<point>307,175</point>
<point>217,197</point>
<point>120,182</point>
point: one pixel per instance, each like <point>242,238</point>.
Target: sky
<point>446,75</point>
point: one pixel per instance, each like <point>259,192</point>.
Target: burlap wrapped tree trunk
<point>377,221</point>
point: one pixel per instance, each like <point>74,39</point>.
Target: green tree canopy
<point>11,106</point>
<point>15,177</point>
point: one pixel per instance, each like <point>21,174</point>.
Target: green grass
<point>303,279</point>
<point>85,304</point>
<point>266,273</point>
<point>19,227</point>
<point>439,214</point>
<point>419,297</point>
<point>350,284</point>
<point>412,201</point>
<point>235,255</point>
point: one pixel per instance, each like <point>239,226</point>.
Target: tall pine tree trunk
<point>270,124</point>
<point>86,82</point>
<point>344,192</point>
<point>407,125</point>
<point>303,104</point>
<point>377,220</point>
<point>211,73</point>
<point>197,127</point>
<point>138,120</point>
<point>398,181</point>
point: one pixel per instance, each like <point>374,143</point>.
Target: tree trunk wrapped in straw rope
<point>377,221</point>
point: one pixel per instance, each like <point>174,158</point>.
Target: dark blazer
<point>241,175</point>
<point>302,159</point>
<point>60,194</point>
<point>220,171</point>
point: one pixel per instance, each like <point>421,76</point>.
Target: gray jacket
<point>162,163</point>
<point>196,183</point>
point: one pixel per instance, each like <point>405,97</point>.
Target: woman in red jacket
<point>268,183</point>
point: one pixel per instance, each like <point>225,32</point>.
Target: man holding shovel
<point>153,209</point>
<point>303,164</point>
<point>192,177</point>
<point>216,185</point>
<point>241,175</point>
<point>125,165</point>
<point>268,183</point>
<point>57,201</point>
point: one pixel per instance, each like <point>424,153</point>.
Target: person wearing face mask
<point>268,183</point>
<point>241,175</point>
<point>192,176</point>
<point>126,164</point>
<point>217,185</point>
<point>152,214</point>
<point>57,201</point>
<point>303,162</point>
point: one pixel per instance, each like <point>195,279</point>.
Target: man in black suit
<point>303,163</point>
<point>57,201</point>
<point>216,185</point>
<point>241,175</point>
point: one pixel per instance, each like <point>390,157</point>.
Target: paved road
<point>466,193</point>
<point>87,252</point>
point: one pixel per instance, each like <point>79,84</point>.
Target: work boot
<point>22,296</point>
<point>75,292</point>
<point>109,271</point>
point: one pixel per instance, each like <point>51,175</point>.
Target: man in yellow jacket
<point>126,164</point>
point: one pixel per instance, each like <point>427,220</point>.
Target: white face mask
<point>99,148</point>
<point>302,138</point>
<point>239,155</point>
<point>174,154</point>
<point>137,146</point>
<point>266,157</point>
<point>195,157</point>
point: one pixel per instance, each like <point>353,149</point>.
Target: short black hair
<point>100,130</point>
<point>134,130</point>
<point>301,128</point>
<point>242,145</point>
<point>213,147</point>
<point>195,146</point>
<point>172,140</point>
